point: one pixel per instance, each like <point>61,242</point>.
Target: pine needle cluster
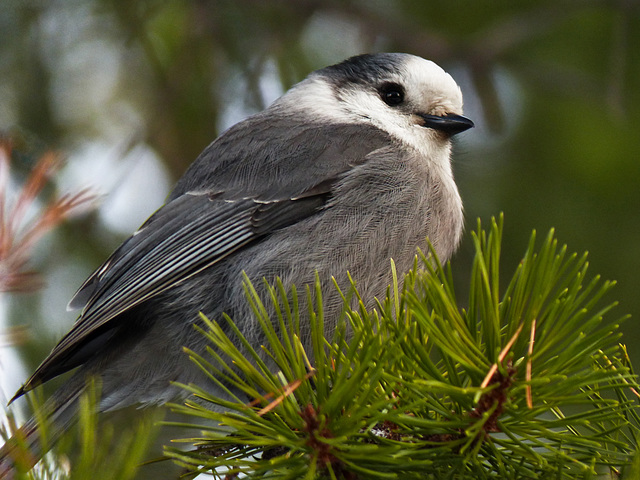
<point>528,381</point>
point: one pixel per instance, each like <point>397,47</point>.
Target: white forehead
<point>427,86</point>
<point>350,93</point>
<point>433,85</point>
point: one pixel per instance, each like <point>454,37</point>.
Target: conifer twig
<point>18,233</point>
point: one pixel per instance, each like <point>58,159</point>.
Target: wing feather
<point>183,238</point>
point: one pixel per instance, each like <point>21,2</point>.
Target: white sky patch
<point>269,83</point>
<point>233,112</point>
<point>236,87</point>
<point>134,185</point>
<point>142,189</point>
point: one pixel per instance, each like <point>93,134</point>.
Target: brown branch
<point>18,237</point>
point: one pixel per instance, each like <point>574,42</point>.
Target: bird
<point>349,168</point>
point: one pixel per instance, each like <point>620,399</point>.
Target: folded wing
<point>186,236</point>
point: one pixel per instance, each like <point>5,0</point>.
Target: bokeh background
<point>131,91</point>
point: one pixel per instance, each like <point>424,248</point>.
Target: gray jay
<point>351,167</point>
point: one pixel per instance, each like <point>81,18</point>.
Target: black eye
<point>392,94</point>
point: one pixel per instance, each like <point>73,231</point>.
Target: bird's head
<point>411,98</point>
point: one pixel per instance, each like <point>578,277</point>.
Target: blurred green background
<point>132,91</point>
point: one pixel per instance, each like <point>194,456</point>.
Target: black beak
<point>449,124</point>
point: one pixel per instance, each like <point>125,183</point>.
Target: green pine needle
<point>527,381</point>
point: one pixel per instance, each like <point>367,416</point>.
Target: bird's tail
<point>30,442</point>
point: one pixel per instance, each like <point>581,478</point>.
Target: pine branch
<point>528,381</point>
<point>18,232</point>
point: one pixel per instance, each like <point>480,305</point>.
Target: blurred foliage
<point>553,86</point>
<point>90,449</point>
